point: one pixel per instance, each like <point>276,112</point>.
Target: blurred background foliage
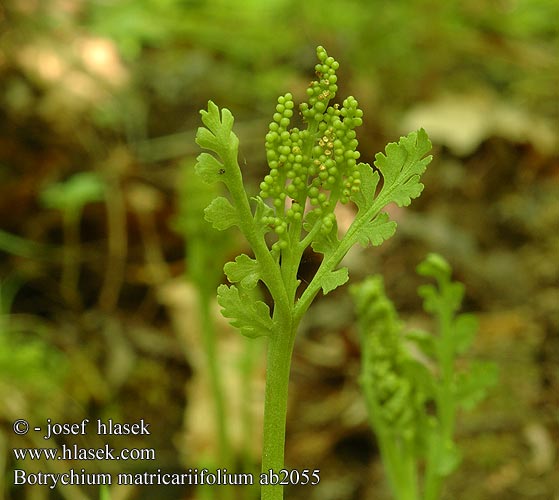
<point>98,320</point>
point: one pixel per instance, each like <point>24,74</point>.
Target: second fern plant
<point>412,403</point>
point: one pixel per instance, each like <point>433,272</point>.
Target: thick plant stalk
<point>280,348</point>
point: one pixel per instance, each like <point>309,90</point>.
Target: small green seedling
<point>69,198</point>
<point>400,388</point>
<point>312,169</point>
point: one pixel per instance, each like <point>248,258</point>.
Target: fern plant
<point>400,389</point>
<point>313,166</point>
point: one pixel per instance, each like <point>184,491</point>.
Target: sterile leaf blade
<point>326,243</point>
<point>334,279</point>
<point>218,134</point>
<point>402,165</point>
<point>221,214</point>
<point>365,197</point>
<point>209,168</point>
<point>472,386</point>
<point>377,231</point>
<point>244,270</point>
<point>465,327</point>
<point>250,316</point>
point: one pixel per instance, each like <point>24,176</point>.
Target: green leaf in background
<point>423,378</point>
<point>71,195</point>
<point>449,459</point>
<point>447,296</point>
<point>436,267</point>
<point>424,340</point>
<point>472,386</point>
<point>465,329</point>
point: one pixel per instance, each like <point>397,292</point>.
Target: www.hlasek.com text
<point>192,477</point>
<point>74,452</point>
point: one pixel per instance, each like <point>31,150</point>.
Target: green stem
<point>446,360</point>
<point>432,478</point>
<point>400,468</point>
<point>409,474</point>
<point>446,410</point>
<point>281,282</point>
<point>271,273</point>
<point>248,360</point>
<point>280,347</point>
<point>397,457</point>
<point>117,245</point>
